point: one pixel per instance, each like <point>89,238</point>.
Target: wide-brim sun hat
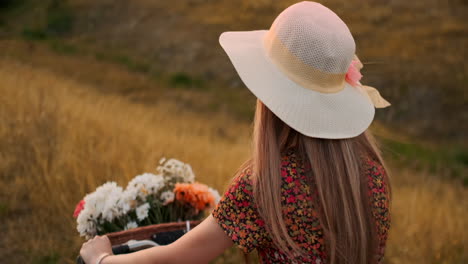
<point>305,70</point>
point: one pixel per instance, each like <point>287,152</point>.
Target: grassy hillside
<point>413,50</point>
<point>59,139</point>
<point>93,91</point>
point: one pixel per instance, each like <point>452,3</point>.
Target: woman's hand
<point>201,245</point>
<point>95,248</point>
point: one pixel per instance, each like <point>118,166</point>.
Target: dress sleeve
<point>236,213</point>
<point>379,193</point>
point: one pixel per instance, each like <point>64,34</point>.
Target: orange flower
<point>195,194</point>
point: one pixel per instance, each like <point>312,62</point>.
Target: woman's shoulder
<point>375,171</point>
<point>290,159</point>
<point>242,183</point>
<point>244,174</point>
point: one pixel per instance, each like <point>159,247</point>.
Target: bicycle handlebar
<point>126,248</point>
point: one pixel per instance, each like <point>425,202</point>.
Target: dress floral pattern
<point>237,214</point>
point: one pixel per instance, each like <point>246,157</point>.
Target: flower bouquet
<point>170,195</point>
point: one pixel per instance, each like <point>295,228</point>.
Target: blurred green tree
<point>8,3</point>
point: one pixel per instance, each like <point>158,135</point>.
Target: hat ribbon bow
<point>353,76</point>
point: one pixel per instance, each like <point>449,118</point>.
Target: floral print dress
<point>237,214</point>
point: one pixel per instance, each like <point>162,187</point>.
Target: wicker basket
<point>145,232</point>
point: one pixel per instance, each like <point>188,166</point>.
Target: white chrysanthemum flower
<point>127,202</point>
<point>216,195</point>
<point>142,211</point>
<point>101,205</point>
<point>111,206</point>
<point>86,224</point>
<point>131,225</point>
<point>167,197</point>
<point>176,168</point>
<point>144,185</point>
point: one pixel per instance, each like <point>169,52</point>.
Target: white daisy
<point>142,211</point>
<point>167,197</point>
<point>176,169</point>
<point>144,185</point>
<point>100,206</point>
<point>131,225</point>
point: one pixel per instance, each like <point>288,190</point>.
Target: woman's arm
<point>202,244</point>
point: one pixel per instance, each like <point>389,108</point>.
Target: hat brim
<point>344,114</point>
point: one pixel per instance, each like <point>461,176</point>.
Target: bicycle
<point>132,240</point>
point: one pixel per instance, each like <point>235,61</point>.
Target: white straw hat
<point>304,69</point>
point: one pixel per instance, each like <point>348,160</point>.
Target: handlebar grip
<point>79,260</point>
<point>118,249</point>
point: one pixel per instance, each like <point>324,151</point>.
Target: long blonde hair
<point>336,173</point>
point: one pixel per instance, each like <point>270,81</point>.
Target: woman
<point>316,188</point>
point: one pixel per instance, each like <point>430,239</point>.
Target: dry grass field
<point>413,50</point>
<point>60,141</point>
<point>94,91</point>
<point>60,138</point>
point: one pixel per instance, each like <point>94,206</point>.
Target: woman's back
<point>237,212</point>
<point>306,77</point>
